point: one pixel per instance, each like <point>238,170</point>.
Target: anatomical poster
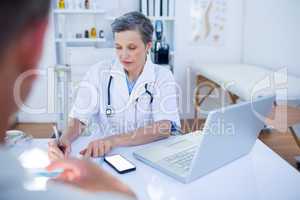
<point>208,21</point>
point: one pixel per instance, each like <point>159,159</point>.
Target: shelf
<point>81,40</point>
<point>161,18</point>
<point>111,18</point>
<point>78,11</point>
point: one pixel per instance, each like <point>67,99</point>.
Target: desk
<point>260,175</point>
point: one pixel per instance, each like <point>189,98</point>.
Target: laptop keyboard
<point>181,160</point>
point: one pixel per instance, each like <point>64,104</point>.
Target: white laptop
<point>228,134</point>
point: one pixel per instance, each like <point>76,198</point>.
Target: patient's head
<point>23,24</point>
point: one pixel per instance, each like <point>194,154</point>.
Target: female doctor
<point>131,100</point>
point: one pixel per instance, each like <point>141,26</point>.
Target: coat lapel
<point>119,84</point>
<point>147,76</point>
<point>119,87</point>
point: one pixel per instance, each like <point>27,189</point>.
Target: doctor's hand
<point>61,151</point>
<point>98,148</point>
<point>88,176</point>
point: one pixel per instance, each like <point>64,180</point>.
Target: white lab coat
<point>128,113</point>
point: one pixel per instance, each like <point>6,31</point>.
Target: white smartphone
<point>119,163</point>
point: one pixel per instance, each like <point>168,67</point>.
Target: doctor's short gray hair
<point>134,21</point>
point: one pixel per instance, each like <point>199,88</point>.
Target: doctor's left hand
<point>98,148</point>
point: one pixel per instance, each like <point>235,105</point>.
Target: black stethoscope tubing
<point>109,109</point>
<point>108,90</point>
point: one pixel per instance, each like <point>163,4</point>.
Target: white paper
<point>151,8</point>
<point>157,8</point>
<point>144,7</point>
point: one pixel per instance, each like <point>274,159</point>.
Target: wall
<point>189,55</point>
<point>272,34</point>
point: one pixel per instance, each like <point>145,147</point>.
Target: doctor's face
<point>131,50</point>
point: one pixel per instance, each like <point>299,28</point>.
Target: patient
<point>24,23</point>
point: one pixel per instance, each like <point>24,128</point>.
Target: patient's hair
<point>134,21</point>
<point>17,15</point>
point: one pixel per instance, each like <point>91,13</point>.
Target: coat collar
<point>147,76</point>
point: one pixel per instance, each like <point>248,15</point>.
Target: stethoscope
<point>109,109</point>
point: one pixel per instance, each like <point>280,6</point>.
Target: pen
<point>61,147</point>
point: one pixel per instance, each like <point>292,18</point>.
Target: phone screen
<point>119,163</point>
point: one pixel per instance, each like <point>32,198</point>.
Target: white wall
<point>189,55</point>
<point>271,39</point>
<point>272,34</point>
